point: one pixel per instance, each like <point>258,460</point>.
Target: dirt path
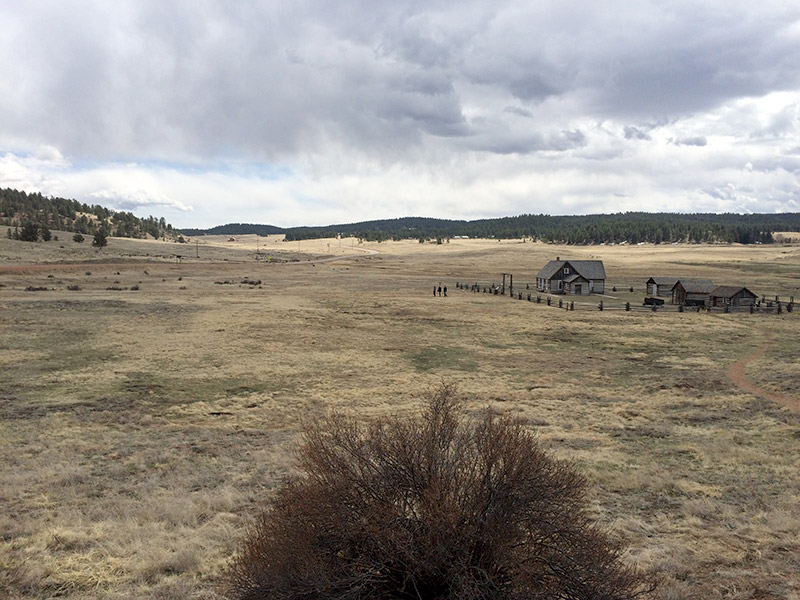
<point>738,375</point>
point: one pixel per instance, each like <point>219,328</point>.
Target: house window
<point>566,270</point>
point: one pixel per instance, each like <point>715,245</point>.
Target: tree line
<point>236,229</point>
<point>25,213</point>
<point>631,227</point>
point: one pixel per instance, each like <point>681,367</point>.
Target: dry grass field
<point>148,411</point>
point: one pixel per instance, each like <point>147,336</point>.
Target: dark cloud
<point>521,112</point>
<point>633,133</point>
<point>178,77</point>
<point>698,140</point>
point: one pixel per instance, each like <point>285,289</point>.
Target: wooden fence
<point>773,305</point>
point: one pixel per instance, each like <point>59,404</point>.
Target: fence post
<point>572,305</point>
<point>538,299</point>
<point>680,307</point>
<point>548,301</point>
<point>600,306</point>
<point>560,303</point>
<point>627,307</point>
<point>780,310</point>
<point>727,309</point>
<point>790,306</point>
<point>752,308</point>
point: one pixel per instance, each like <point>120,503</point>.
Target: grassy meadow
<point>147,412</point>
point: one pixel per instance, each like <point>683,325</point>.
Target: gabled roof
<point>589,269</point>
<point>659,281</point>
<point>695,286</point>
<point>729,291</point>
<point>574,277</point>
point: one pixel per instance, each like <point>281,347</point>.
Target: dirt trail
<point>738,375</point>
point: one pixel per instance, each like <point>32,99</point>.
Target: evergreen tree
<point>100,239</point>
<point>29,232</point>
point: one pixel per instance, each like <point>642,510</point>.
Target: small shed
<point>732,295</point>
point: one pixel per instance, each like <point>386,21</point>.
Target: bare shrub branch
<point>436,507</point>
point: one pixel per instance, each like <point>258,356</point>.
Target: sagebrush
<point>437,506</point>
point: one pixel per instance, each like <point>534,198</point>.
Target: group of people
<point>439,290</point>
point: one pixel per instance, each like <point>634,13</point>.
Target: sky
<point>313,113</point>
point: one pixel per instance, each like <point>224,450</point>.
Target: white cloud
<point>134,199</point>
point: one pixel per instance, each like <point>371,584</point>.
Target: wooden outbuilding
<point>661,286</point>
<point>732,295</point>
<point>692,291</point>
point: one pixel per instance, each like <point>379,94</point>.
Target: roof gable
<point>551,269</point>
<point>695,286</point>
<point>670,281</point>
<point>729,291</point>
<point>588,269</point>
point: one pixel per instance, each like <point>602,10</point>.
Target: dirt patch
<point>738,375</point>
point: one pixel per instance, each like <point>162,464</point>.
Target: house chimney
<point>558,258</point>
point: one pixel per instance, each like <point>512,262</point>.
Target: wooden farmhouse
<point>573,277</point>
<point>731,295</point>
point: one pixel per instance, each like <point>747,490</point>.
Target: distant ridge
<point>236,229</point>
<point>630,227</point>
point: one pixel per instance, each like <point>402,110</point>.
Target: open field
<point>145,413</point>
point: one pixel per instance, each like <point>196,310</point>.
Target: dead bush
<point>432,507</point>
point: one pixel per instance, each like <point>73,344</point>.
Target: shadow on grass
<point>442,357</point>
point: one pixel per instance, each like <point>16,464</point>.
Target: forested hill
<point>589,229</point>
<point>235,229</point>
<point>18,209</point>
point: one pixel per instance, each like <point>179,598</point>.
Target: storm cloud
<point>320,112</point>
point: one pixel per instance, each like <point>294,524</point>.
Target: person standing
<point>445,291</point>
